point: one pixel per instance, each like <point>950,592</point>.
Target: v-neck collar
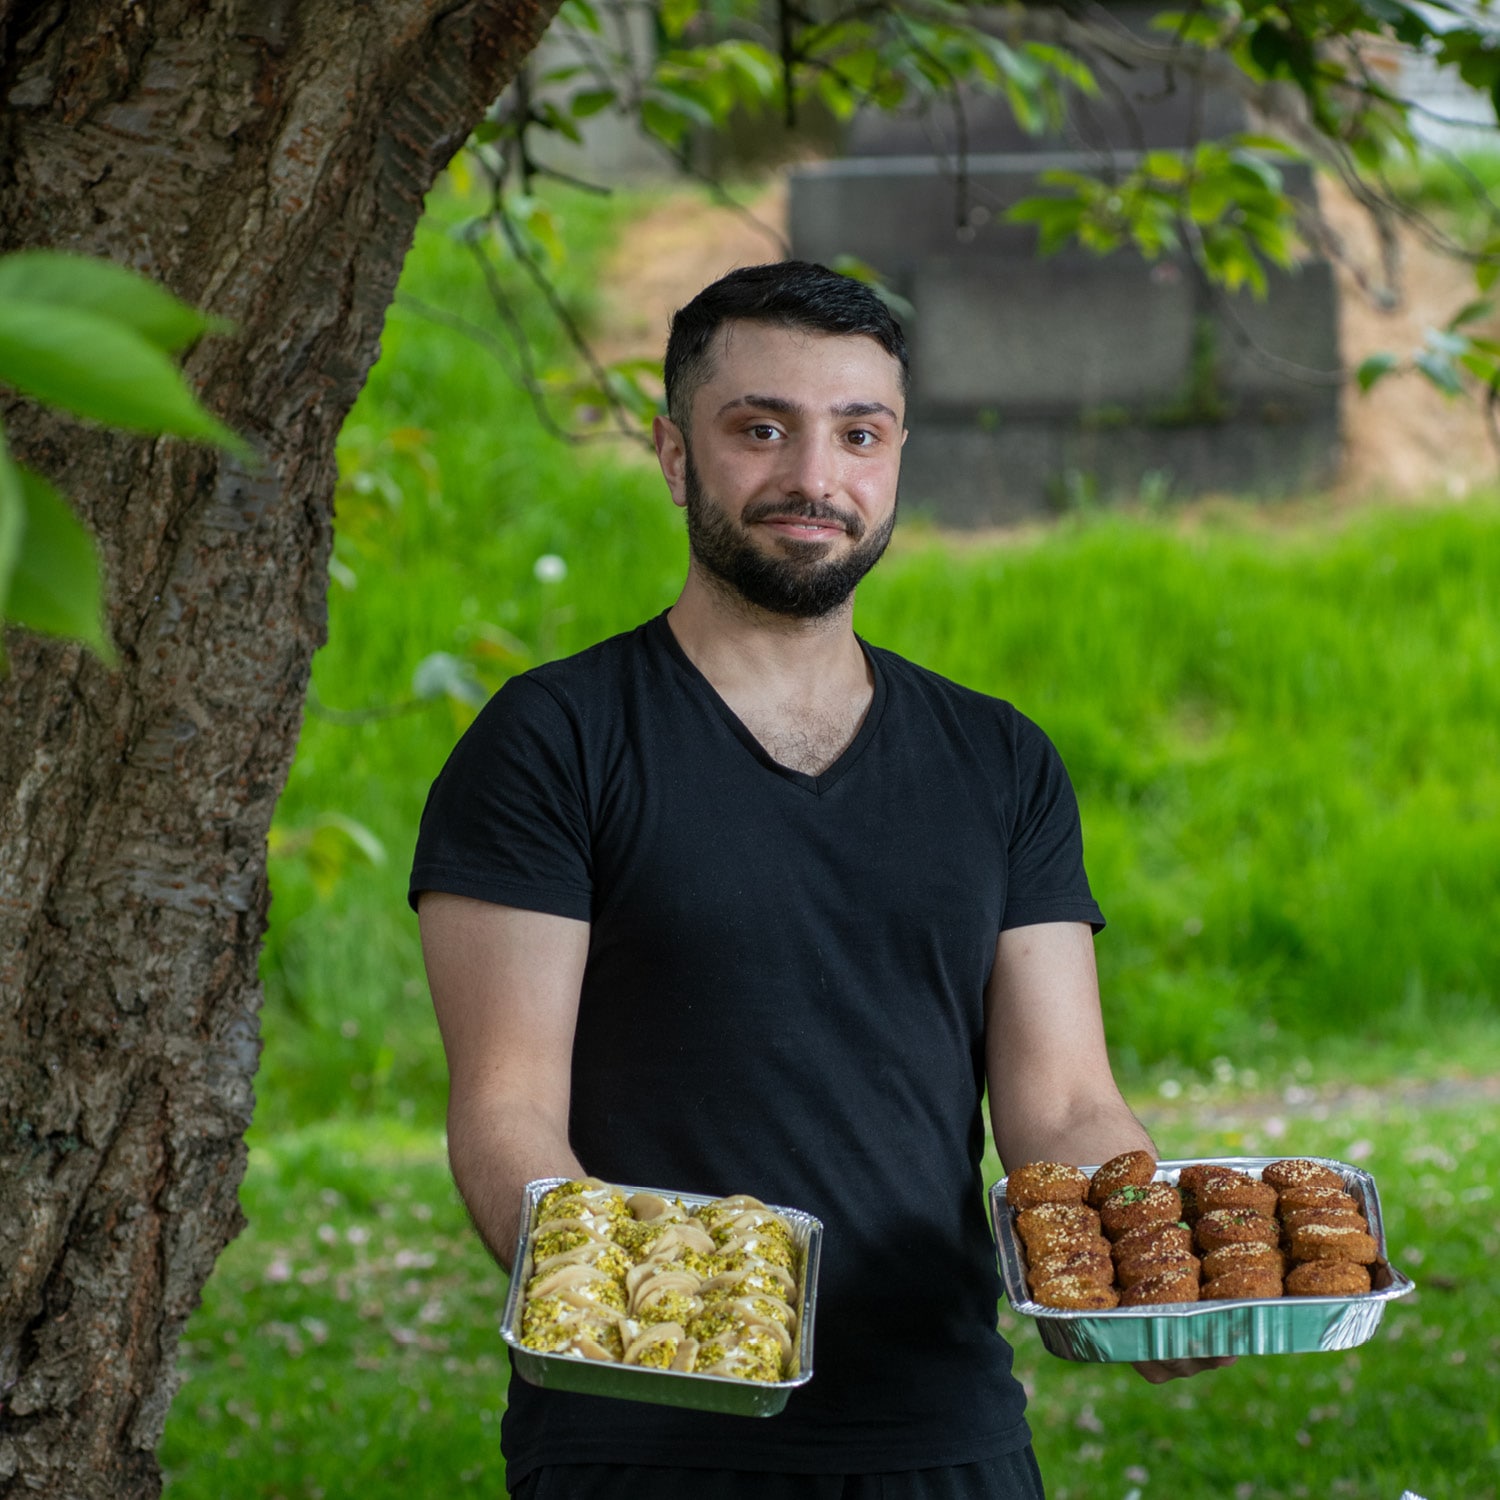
<point>816,785</point>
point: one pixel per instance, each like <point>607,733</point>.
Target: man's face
<point>788,473</point>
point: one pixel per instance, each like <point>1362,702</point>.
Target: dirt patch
<point>1404,440</point>
<point>1328,1102</point>
<point>674,251</point>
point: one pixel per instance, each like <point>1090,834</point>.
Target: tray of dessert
<point>646,1294</point>
<point>1140,1259</point>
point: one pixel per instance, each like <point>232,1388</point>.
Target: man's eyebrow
<point>762,403</point>
<point>787,408</point>
<point>865,409</point>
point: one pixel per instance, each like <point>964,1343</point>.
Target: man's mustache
<point>803,510</point>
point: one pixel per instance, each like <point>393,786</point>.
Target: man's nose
<point>809,469</point>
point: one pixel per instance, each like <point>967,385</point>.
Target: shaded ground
<point>1405,440</point>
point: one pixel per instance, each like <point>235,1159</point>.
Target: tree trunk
<point>267,161</point>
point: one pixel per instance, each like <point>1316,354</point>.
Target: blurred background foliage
<point>1284,726</point>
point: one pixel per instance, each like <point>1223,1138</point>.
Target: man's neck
<point>748,652</point>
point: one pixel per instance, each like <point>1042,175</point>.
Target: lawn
<point>347,1345</point>
<point>1284,728</point>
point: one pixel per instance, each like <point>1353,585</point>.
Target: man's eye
<point>862,437</point>
<point>764,431</point>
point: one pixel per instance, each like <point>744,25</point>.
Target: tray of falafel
<point>1145,1260</point>
<point>675,1298</point>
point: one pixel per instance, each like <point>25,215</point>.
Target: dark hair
<point>786,294</point>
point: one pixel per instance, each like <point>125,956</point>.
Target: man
<point>736,903</point>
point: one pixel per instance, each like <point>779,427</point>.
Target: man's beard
<point>797,582</point>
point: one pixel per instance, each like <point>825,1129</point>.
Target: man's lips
<point>803,523</point>
<point>803,528</point>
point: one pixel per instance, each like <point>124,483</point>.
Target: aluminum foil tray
<point>1197,1330</point>
<point>721,1393</point>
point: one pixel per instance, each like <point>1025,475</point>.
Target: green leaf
<point>443,675</point>
<point>1198,28</point>
<point>550,117</point>
<point>97,368</point>
<point>1485,367</point>
<point>328,848</point>
<point>58,584</point>
<point>1269,48</point>
<point>588,102</point>
<point>1438,368</point>
<point>12,519</point>
<point>1067,66</point>
<point>1263,144</point>
<point>1449,344</point>
<point>861,270</point>
<point>1057,220</point>
<point>1376,367</point>
<point>580,15</point>
<point>675,15</point>
<point>1263,172</point>
<point>362,839</point>
<point>1165,166</point>
<point>54,278</point>
<point>662,122</point>
<point>1470,312</point>
<point>754,67</point>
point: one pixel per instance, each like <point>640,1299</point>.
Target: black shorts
<point>1013,1476</point>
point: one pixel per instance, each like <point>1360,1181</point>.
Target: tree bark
<point>267,161</point>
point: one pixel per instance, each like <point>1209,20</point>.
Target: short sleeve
<point>1047,880</point>
<point>506,820</point>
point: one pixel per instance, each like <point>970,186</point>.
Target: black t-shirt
<point>783,996</point>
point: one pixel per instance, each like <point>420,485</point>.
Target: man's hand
<point>1159,1371</point>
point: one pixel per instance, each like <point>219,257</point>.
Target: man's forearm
<point>1087,1133</point>
<point>495,1150</point>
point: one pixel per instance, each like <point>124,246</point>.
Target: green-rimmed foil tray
<point>720,1393</point>
<point>1202,1330</point>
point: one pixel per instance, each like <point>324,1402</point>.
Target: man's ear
<point>671,454</point>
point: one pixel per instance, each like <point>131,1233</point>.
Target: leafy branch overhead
<point>94,339</point>
<point>1318,78</point>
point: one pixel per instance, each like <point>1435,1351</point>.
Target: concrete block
<point>896,212</point>
<point>1029,335</point>
<point>1286,348</point>
<point>966,475</point>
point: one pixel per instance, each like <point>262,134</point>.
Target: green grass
<point>1286,747</point>
<point>347,1347</point>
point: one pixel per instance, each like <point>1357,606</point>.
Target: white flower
<point>549,568</point>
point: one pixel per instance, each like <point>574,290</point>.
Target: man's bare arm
<point>505,985</point>
<point>1052,1092</point>
<point>1053,1095</point>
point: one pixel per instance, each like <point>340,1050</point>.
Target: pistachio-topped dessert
<point>645,1280</point>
